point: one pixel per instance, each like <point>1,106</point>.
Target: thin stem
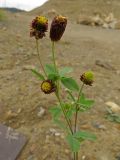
<point>53,55</point>
<point>76,114</point>
<point>69,125</point>
<point>74,155</point>
<point>55,66</point>
<point>39,58</point>
<point>58,91</point>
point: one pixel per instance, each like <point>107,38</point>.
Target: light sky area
<point>22,4</point>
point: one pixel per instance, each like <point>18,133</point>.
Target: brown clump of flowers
<point>58,26</point>
<point>39,26</point>
<point>48,86</point>
<point>87,78</point>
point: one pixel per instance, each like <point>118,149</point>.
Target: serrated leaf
<point>74,143</point>
<point>85,135</point>
<point>56,112</point>
<point>65,70</point>
<point>49,68</point>
<point>70,83</point>
<point>39,75</point>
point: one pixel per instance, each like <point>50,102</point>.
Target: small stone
<point>67,151</point>
<point>28,67</point>
<point>57,134</point>
<point>113,107</point>
<point>99,126</point>
<point>41,112</point>
<point>32,157</point>
<point>104,64</point>
<point>83,157</point>
<point>10,115</point>
<point>32,148</point>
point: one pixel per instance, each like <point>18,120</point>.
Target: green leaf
<point>39,75</point>
<point>53,76</point>
<point>73,142</point>
<point>65,70</point>
<point>85,103</point>
<point>70,83</point>
<point>85,135</point>
<point>49,68</point>
<point>56,112</point>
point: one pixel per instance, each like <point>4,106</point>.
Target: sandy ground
<point>88,48</point>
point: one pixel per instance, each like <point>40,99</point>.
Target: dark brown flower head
<point>48,86</point>
<point>57,28</point>
<point>39,26</point>
<point>87,78</point>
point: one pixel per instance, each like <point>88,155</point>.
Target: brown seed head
<point>39,26</point>
<point>48,87</point>
<point>57,29</point>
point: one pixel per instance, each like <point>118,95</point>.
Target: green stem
<point>74,155</point>
<point>39,58</point>
<point>76,115</point>
<point>53,56</point>
<point>69,125</point>
<point>55,66</point>
<point>58,88</point>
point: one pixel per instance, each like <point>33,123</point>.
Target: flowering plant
<point>54,80</point>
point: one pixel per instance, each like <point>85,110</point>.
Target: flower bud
<point>87,78</point>
<point>48,86</point>
<point>57,28</point>
<point>39,26</point>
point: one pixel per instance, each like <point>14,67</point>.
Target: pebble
<point>41,112</point>
<point>113,107</point>
<point>28,67</point>
<point>54,132</point>
<point>99,126</point>
<point>10,115</point>
<point>32,157</point>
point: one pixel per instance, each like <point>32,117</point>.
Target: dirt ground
<point>88,48</point>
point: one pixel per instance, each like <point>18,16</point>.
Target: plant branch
<point>40,58</point>
<point>76,114</point>
<point>69,125</point>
